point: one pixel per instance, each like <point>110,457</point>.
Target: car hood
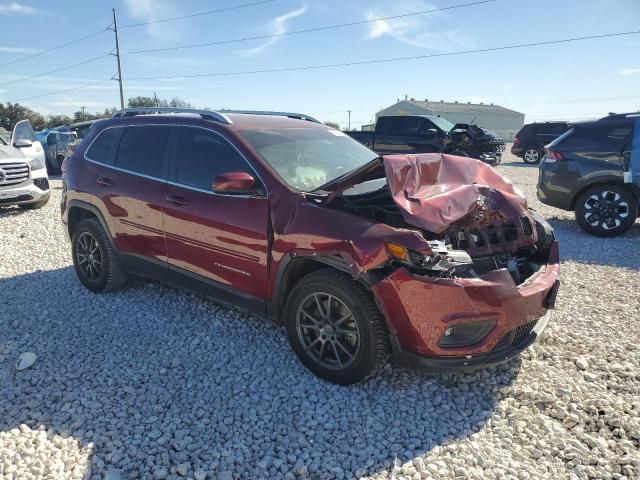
<point>437,192</point>
<point>10,154</point>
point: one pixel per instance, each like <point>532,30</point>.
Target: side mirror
<point>22,143</point>
<point>233,182</point>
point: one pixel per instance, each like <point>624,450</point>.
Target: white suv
<point>23,174</point>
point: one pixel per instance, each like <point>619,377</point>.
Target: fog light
<point>466,334</point>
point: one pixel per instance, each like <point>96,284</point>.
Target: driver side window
<point>201,155</point>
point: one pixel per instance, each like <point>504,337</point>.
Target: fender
<point>335,260</point>
<point>95,211</point>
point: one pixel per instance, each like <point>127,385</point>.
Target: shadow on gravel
<point>519,164</point>
<point>151,378</point>
<point>11,211</point>
<point>578,246</point>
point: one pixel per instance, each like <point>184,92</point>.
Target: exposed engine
<point>476,142</point>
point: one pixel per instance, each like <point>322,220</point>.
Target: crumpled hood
<point>437,191</point>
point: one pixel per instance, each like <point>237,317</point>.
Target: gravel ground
<point>151,382</point>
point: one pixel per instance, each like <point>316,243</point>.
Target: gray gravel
<point>151,382</point>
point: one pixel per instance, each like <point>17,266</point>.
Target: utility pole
<point>115,30</point>
<point>349,120</point>
<point>83,116</point>
<point>155,97</point>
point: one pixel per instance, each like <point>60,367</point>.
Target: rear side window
<point>143,149</point>
<point>105,147</point>
<point>409,126</point>
<point>201,155</point>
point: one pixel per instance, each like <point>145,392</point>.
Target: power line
<point>307,30</point>
<point>91,35</point>
<point>65,90</point>
<point>388,60</point>
<point>56,70</point>
<point>200,14</point>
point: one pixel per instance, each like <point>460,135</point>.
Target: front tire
<point>335,327</point>
<point>94,258</point>
<point>532,155</point>
<point>606,210</point>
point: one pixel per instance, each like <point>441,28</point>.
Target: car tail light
<point>516,141</point>
<point>65,164</point>
<point>553,156</point>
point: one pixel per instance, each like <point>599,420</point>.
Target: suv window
<point>410,126</point>
<point>201,155</point>
<point>104,148</point>
<point>143,149</point>
<point>554,128</point>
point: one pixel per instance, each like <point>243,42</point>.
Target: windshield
<point>307,158</point>
<point>442,123</point>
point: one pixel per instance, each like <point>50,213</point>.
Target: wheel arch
<point>293,267</point>
<point>79,210</point>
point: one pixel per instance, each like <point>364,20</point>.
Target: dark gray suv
<point>594,169</point>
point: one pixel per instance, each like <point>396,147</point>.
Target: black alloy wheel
<point>606,210</point>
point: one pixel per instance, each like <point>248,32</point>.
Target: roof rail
<point>300,116</point>
<point>210,114</point>
<point>620,115</point>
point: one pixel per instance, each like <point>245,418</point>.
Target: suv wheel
<point>94,258</point>
<point>335,327</point>
<point>532,155</point>
<point>606,210</point>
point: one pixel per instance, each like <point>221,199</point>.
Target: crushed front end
<point>481,289</point>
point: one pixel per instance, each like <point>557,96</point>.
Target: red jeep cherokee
<point>433,258</point>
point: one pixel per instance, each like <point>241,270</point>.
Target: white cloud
<point>18,50</point>
<point>418,31</point>
<point>17,8</point>
<point>278,26</point>
<point>627,72</point>
<point>153,11</point>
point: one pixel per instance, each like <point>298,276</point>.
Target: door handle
<point>107,182</point>
<point>178,200</point>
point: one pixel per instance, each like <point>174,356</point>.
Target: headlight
<point>36,164</point>
<point>442,259</point>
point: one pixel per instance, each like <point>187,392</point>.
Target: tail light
<point>516,141</point>
<point>553,156</point>
<point>65,164</point>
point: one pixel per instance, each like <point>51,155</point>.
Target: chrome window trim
<point>166,180</point>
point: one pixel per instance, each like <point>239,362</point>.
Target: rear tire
<point>532,155</point>
<point>606,210</point>
<point>95,259</point>
<point>335,327</point>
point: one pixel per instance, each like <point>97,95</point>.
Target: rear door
<point>222,238</point>
<point>126,170</point>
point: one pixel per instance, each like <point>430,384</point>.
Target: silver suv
<point>23,174</point>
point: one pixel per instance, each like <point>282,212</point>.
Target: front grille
<point>498,236</point>
<point>13,173</point>
<point>515,336</point>
<point>41,183</point>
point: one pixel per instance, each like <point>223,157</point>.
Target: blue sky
<point>572,81</point>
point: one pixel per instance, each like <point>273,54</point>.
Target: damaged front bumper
<point>421,310</point>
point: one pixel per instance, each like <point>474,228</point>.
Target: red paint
<point>240,240</point>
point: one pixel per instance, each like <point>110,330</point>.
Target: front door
<point>219,239</point>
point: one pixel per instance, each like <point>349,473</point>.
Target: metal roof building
<point>503,121</point>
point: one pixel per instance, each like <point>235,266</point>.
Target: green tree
<point>332,125</point>
<point>57,120</point>
<point>175,102</point>
<point>12,113</point>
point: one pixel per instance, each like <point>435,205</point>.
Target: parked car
<point>594,170</point>
<point>434,258</point>
<point>56,147</point>
<point>427,134</point>
<point>23,175</point>
<point>80,130</point>
<point>529,142</point>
